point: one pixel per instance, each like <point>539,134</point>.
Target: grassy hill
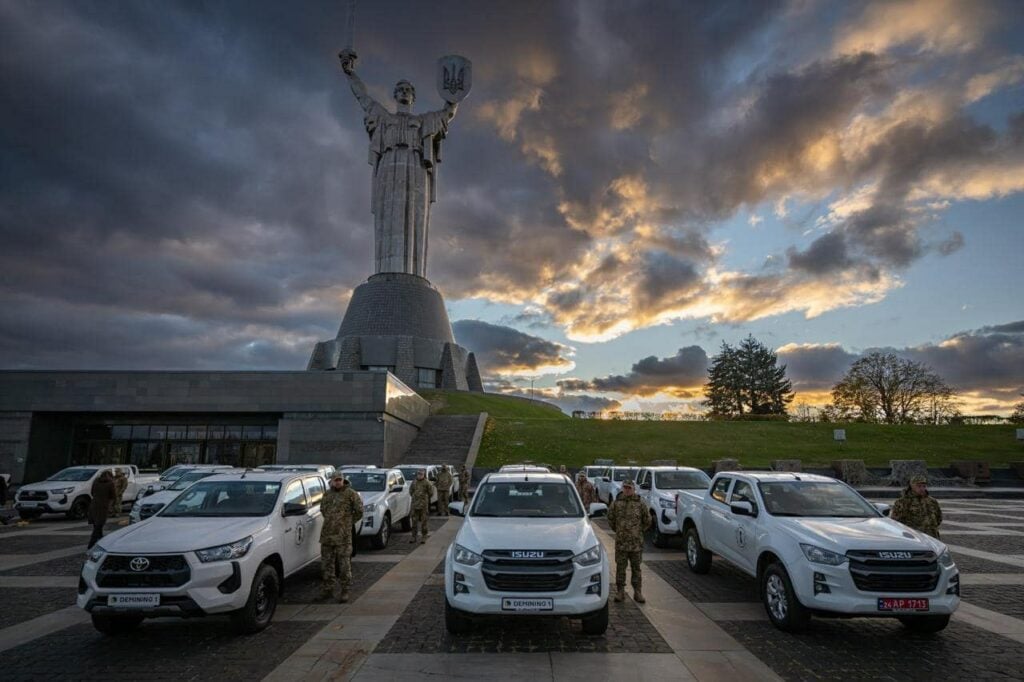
<point>519,430</point>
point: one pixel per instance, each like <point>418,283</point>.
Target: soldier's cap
<point>337,477</point>
<point>628,482</point>
<point>919,479</point>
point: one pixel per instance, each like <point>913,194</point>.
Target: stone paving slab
<point>18,604</point>
<point>971,564</point>
<point>70,565</point>
<point>304,587</point>
<point>1005,599</point>
<point>998,544</point>
<point>723,583</point>
<point>36,544</point>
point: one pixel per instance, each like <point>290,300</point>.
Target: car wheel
<point>596,623</point>
<point>926,624</point>
<point>406,523</point>
<point>29,515</point>
<point>698,558</point>
<point>784,610</point>
<point>380,540</point>
<point>660,540</point>
<point>110,624</point>
<point>259,609</point>
<point>455,621</point>
<point>79,508</point>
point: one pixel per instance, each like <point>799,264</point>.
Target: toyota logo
<point>139,563</point>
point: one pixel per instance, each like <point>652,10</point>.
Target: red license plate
<point>900,604</point>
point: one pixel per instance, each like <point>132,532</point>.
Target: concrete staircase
<point>443,439</point>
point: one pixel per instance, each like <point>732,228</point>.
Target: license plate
<point>133,601</point>
<point>900,604</point>
<point>517,604</point>
<point>28,504</point>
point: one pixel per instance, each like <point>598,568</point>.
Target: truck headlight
<point>369,508</point>
<point>62,491</point>
<point>466,557</point>
<point>233,550</point>
<point>96,553</point>
<point>817,555</point>
<point>946,559</point>
<point>666,503</point>
<point>590,557</point>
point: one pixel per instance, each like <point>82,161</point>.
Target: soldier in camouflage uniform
<point>917,509</point>
<point>464,483</point>
<point>421,491</point>
<point>586,490</point>
<point>341,508</point>
<point>629,518</point>
<point>444,489</point>
<point>120,484</point>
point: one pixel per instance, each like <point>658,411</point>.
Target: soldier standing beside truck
<point>421,491</point>
<point>341,508</point>
<point>629,518</point>
<point>444,488</point>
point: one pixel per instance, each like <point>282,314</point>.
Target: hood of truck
<point>840,535</point>
<point>157,535</point>
<point>479,534</point>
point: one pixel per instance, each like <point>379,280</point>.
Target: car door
<point>715,518</point>
<point>294,546</point>
<point>643,483</point>
<point>315,488</point>
<point>743,537</point>
<point>404,498</point>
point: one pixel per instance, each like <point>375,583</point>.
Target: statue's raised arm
<point>348,65</point>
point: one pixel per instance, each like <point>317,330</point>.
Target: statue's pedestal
<point>397,322</point>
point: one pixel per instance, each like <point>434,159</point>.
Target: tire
<point>380,540</point>
<point>79,508</point>
<point>596,623</point>
<point>29,515</point>
<point>784,610</point>
<point>259,609</point>
<point>925,624</point>
<point>406,523</point>
<point>698,558</point>
<point>110,624</point>
<point>660,540</point>
<point>455,622</point>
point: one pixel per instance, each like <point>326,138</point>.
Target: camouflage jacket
<point>586,491</point>
<point>464,479</point>
<point>629,518</point>
<point>444,480</point>
<point>340,509</point>
<point>421,492</point>
<point>120,484</point>
<point>920,513</point>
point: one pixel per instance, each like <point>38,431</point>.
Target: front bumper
<point>844,598</point>
<point>53,504</point>
<point>202,595</point>
<point>476,598</point>
<point>370,524</point>
<point>668,524</point>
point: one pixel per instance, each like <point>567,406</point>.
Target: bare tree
<point>882,387</point>
<point>1018,413</point>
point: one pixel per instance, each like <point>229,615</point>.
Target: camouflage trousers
<point>464,493</point>
<point>336,566</point>
<point>624,558</point>
<point>116,504</point>
<point>419,522</point>
<point>442,502</point>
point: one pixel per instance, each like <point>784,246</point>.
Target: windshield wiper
<point>786,514</point>
<point>490,515</point>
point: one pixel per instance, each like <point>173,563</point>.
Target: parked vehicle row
<point>69,491</point>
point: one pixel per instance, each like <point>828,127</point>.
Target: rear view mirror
<point>742,509</point>
<point>645,486</point>
<point>457,508</point>
<point>397,488</point>
<point>293,509</point>
<point>883,507</point>
<point>597,509</point>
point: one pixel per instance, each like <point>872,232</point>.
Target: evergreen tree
<point>747,379</point>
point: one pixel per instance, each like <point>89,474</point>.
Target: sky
<point>629,185</point>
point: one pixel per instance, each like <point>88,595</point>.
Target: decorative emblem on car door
<point>741,537</point>
<point>300,534</point>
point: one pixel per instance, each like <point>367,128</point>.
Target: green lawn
<point>519,430</point>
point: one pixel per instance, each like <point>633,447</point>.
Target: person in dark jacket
<point>102,495</point>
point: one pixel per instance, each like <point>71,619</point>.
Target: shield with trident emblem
<point>454,78</point>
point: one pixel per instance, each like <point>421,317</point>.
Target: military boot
<point>343,597</point>
<point>620,593</point>
<point>413,541</point>
<point>638,596</point>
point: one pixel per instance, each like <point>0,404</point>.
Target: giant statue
<point>405,150</point>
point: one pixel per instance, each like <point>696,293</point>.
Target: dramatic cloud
<point>508,352</point>
<point>680,375</point>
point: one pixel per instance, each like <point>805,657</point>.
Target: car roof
<point>671,468</point>
<point>524,476</point>
<point>259,475</point>
<point>369,470</point>
<point>781,476</point>
<point>416,466</point>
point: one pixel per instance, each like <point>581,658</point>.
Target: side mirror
<point>606,479</point>
<point>457,508</point>
<point>645,486</point>
<point>293,509</point>
<point>742,509</point>
<point>397,488</point>
<point>883,507</point>
<point>597,509</point>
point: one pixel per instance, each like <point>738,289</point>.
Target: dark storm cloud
<point>675,374</point>
<point>825,254</point>
<point>664,276</point>
<point>815,367</point>
<point>503,350</point>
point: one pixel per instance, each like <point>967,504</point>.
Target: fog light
<point>460,588</point>
<point>954,585</point>
<point>594,589</point>
<point>459,577</point>
<point>820,586</point>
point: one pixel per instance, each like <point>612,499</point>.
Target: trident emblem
<point>453,80</point>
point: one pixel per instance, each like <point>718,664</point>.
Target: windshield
<point>225,498</point>
<point>410,472</point>
<point>527,500</point>
<point>189,478</point>
<point>73,474</point>
<point>814,498</point>
<point>367,483</point>
<point>591,472</point>
<point>623,474</point>
<point>681,480</point>
<point>174,473</point>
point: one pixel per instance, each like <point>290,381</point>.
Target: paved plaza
<point>693,627</point>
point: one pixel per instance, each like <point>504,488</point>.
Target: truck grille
<point>162,571</point>
<point>33,495</point>
<point>894,571</point>
<point>527,571</point>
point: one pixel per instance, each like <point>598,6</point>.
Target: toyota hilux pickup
<point>816,547</point>
<point>152,502</point>
<point>666,490</point>
<point>69,491</point>
<point>224,546</point>
<point>526,547</point>
<point>386,501</point>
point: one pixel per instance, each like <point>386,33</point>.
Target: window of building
<point>233,432</point>
<point>427,377</point>
<point>140,432</point>
<point>379,368</point>
<point>121,432</point>
<point>252,432</point>
<point>270,432</point>
<point>157,432</point>
<point>197,433</point>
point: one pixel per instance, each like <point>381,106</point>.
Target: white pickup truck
<point>817,547</point>
<point>386,501</point>
<point>69,491</point>
<point>665,490</point>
